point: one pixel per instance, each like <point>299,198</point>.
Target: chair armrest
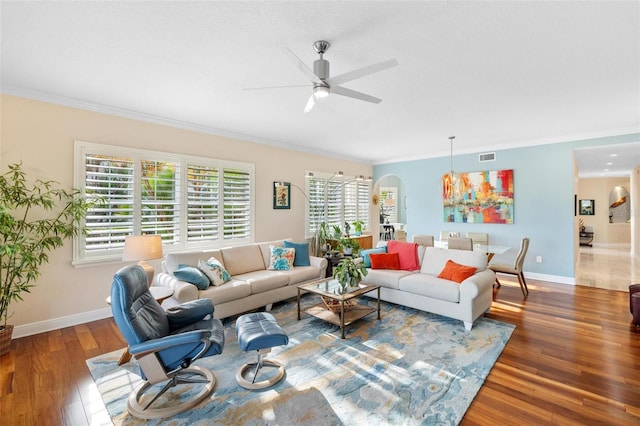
<point>182,290</point>
<point>189,312</point>
<point>170,341</point>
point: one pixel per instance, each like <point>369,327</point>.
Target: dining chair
<point>445,235</point>
<point>423,240</point>
<point>460,243</point>
<point>515,268</point>
<point>479,237</point>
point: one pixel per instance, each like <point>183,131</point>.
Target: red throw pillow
<point>407,253</point>
<point>456,272</point>
<point>384,261</point>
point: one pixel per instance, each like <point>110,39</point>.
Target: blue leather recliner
<point>165,344</point>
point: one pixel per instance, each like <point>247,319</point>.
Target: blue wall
<point>543,199</point>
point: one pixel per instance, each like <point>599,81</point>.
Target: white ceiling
<point>496,74</point>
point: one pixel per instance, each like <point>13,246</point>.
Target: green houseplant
<point>349,246</point>
<point>349,273</point>
<point>35,219</point>
<point>358,226</point>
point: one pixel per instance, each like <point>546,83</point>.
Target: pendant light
<point>453,177</point>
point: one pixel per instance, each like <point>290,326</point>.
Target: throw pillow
<point>364,254</point>
<point>214,270</point>
<point>407,253</point>
<point>456,272</point>
<point>301,257</point>
<point>385,261</point>
<point>192,275</point>
<point>281,258</point>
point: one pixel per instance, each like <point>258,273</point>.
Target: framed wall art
<point>478,197</point>
<point>281,195</point>
<point>587,207</point>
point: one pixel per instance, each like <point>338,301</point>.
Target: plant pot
<point>5,339</point>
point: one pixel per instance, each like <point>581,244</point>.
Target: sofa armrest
<point>476,284</point>
<point>319,262</point>
<point>182,290</point>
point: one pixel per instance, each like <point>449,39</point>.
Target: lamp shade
<point>142,247</point>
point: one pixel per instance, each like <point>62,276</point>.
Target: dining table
<point>490,249</point>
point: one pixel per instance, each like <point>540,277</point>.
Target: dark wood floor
<point>572,359</point>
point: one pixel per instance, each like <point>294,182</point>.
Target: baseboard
<point>62,322</point>
<point>551,278</point>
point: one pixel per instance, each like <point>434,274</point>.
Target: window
<point>336,201</point>
<point>191,202</point>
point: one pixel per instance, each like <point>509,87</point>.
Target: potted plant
<point>358,226</point>
<point>349,246</point>
<point>349,273</point>
<point>35,219</point>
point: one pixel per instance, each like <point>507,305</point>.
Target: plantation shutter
<point>112,179</point>
<point>160,213</point>
<point>237,204</point>
<point>363,194</point>
<point>350,202</point>
<point>203,187</point>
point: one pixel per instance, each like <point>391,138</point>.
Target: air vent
<point>487,156</point>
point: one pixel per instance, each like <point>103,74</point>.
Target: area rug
<point>410,367</point>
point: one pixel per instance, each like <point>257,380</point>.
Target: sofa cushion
<point>214,270</point>
<point>385,261</point>
<point>281,258</point>
<point>364,254</point>
<point>430,286</point>
<point>456,272</point>
<point>302,253</point>
<point>265,280</point>
<point>435,258</point>
<point>385,277</point>
<point>407,254</point>
<point>242,259</point>
<point>227,292</point>
<point>192,275</point>
<point>300,274</point>
<point>174,260</point>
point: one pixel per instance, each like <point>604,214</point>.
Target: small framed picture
<point>587,207</point>
<point>281,195</point>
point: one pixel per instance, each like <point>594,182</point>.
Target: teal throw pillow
<point>365,255</point>
<point>301,257</point>
<point>282,258</point>
<point>214,270</point>
<point>192,275</point>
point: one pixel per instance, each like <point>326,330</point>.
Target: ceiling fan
<point>323,84</point>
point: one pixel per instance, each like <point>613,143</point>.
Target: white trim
<point>62,322</point>
<point>550,278</point>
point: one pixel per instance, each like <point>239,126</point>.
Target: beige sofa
<point>422,289</point>
<point>251,286</point>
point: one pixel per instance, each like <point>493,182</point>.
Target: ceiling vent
<point>487,156</point>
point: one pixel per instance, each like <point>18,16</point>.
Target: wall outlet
<point>539,259</point>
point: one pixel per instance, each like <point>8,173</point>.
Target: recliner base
<point>140,411</point>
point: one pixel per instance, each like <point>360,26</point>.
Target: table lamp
<point>141,248</point>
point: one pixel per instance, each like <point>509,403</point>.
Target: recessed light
<point>614,155</point>
<point>608,164</point>
<point>606,170</point>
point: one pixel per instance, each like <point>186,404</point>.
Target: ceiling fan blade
<point>276,87</point>
<point>304,68</point>
<point>353,94</point>
<point>361,72</point>
<point>310,103</point>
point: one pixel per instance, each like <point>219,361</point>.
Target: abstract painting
<point>478,197</point>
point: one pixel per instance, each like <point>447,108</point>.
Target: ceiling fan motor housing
<point>321,68</point>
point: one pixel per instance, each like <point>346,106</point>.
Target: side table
<point>160,294</point>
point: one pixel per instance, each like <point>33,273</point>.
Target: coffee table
<point>348,311</point>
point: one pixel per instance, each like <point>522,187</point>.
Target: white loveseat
<point>422,289</point>
<point>252,285</point>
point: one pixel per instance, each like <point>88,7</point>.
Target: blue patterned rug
<point>410,367</point>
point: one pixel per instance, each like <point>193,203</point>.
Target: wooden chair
<point>515,268</point>
<point>423,240</point>
<point>460,243</point>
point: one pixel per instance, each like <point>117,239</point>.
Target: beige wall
<point>598,189</point>
<point>41,135</point>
